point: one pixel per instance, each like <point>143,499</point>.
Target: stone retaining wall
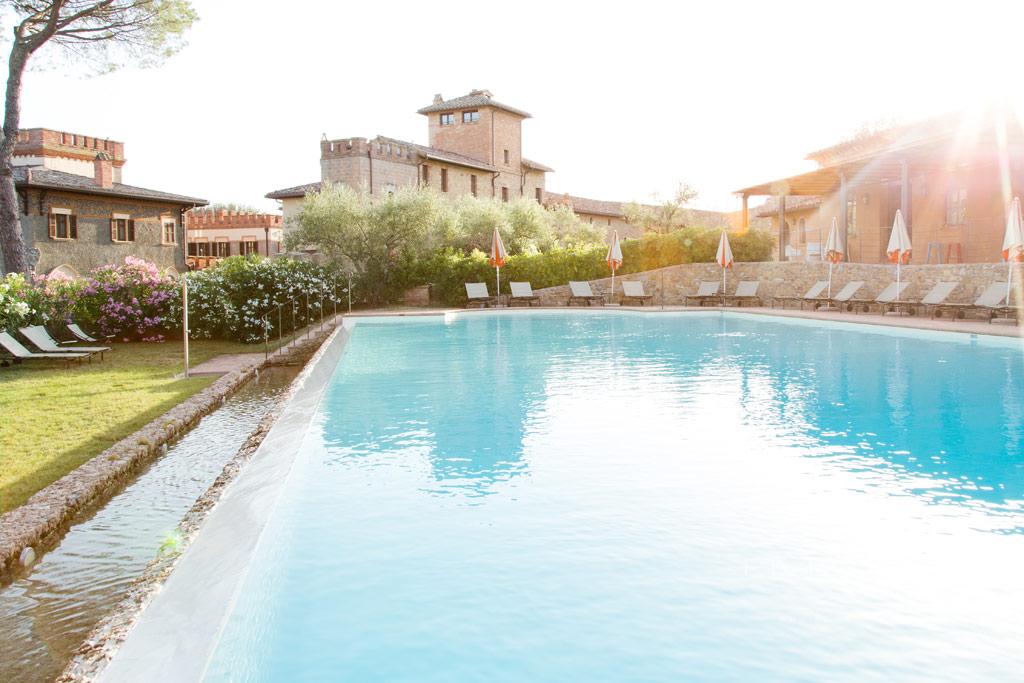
<point>793,279</point>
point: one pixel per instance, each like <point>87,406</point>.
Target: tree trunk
<point>11,241</point>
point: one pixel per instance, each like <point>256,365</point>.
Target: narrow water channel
<point>44,616</point>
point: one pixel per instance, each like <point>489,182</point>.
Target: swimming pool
<point>625,496</point>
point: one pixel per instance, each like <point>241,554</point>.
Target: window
<point>444,180</point>
<point>506,157</point>
<point>851,217</point>
<point>956,206</point>
<point>221,248</point>
<point>167,232</point>
<point>426,175</point>
<point>249,245</point>
<point>504,194</point>
<point>472,185</point>
<point>538,193</point>
<point>122,228</point>
<point>447,119</point>
<point>199,248</point>
<point>63,224</point>
<point>470,116</point>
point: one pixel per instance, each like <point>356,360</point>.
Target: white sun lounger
<point>634,289</point>
<point>812,294</point>
<point>706,291</point>
<point>522,292</point>
<point>15,348</point>
<point>992,302</point>
<point>81,334</point>
<point>476,293</point>
<point>38,335</point>
<point>581,291</point>
<point>746,290</point>
<point>845,295</point>
<point>889,295</point>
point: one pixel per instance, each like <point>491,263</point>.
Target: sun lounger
<point>933,300</point>
<point>522,293</point>
<point>889,295</point>
<point>38,335</point>
<point>992,302</point>
<point>580,291</point>
<point>476,293</point>
<point>812,294</point>
<point>746,290</point>
<point>634,290</point>
<point>19,352</point>
<point>705,292</point>
<point>845,295</point>
<point>82,335</point>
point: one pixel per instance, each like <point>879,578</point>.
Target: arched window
<point>64,272</point>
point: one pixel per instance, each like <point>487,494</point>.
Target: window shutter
<point>53,226</point>
<point>113,230</point>
<point>131,230</point>
<point>73,227</point>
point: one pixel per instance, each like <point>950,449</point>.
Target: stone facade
<point>77,215</point>
<point>93,246</point>
<point>213,236</point>
<point>793,279</point>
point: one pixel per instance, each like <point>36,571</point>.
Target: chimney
<point>103,170</point>
<point>438,99</point>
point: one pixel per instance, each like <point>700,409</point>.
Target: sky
<point>628,99</point>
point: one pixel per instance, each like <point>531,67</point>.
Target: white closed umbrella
<point>899,247</point>
<point>834,251</point>
<point>724,257</point>
<point>1013,243</point>
<point>614,259</point>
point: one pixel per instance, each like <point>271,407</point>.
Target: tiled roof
<point>537,166</point>
<point>476,98</point>
<point>296,191</point>
<point>793,203</point>
<point>598,207</point>
<point>70,182</point>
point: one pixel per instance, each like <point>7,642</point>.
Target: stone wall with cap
<point>793,279</point>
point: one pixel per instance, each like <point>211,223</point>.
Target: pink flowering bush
<point>133,301</point>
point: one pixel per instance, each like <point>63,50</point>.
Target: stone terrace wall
<point>793,279</point>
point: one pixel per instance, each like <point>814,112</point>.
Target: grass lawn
<point>53,419</point>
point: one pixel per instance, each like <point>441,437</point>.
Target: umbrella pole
<point>723,286</point>
<point>611,295</point>
<point>830,280</point>
<point>497,293</point>
<point>1009,278</point>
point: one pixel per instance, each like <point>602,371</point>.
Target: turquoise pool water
<point>610,497</point>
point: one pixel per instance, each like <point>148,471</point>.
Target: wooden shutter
<point>53,226</point>
<point>131,230</point>
<point>73,227</point>
<point>113,230</point>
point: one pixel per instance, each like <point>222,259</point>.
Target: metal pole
<point>350,292</point>
<point>184,318</point>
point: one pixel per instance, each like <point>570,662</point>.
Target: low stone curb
<point>30,529</point>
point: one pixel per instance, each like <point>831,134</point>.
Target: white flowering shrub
<point>19,304</point>
<point>238,298</point>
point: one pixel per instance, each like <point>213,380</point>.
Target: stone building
<point>215,235</point>
<point>952,177</point>
<point>474,147</point>
<point>76,214</point>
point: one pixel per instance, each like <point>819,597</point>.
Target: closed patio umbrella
<point>497,259</point>
<point>614,259</point>
<point>724,257</point>
<point>1013,243</point>
<point>834,250</point>
<point>899,247</point>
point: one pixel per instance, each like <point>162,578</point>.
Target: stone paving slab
<point>225,363</point>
